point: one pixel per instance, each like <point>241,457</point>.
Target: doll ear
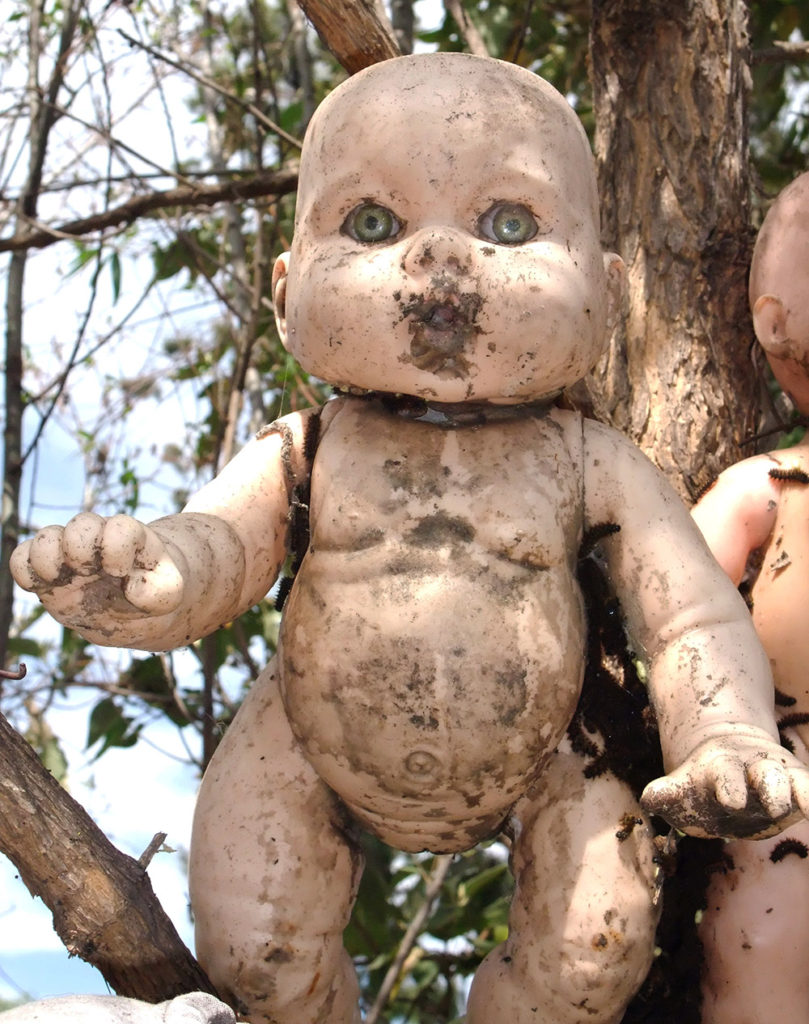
<point>616,282</point>
<point>770,324</point>
<point>280,272</point>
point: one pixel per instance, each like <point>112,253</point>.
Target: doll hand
<point>95,566</point>
<point>737,786</point>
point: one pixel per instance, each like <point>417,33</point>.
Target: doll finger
<point>157,590</point>
<point>772,784</point>
<point>20,566</point>
<point>45,557</point>
<point>800,789</point>
<point>666,797</point>
<point>122,540</point>
<point>151,552</point>
<point>81,542</point>
<point>672,801</point>
<point>731,786</point>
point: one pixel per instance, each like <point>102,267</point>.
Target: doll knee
<point>310,980</point>
<point>583,918</point>
<point>591,982</point>
<point>603,969</point>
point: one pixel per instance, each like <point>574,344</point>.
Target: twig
<point>274,183</point>
<point>781,53</point>
<point>441,866</point>
<point>209,83</point>
<point>145,858</point>
<point>467,28</point>
<point>19,673</point>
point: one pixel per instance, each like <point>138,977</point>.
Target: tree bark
<point>355,31</point>
<point>670,85</point>
<point>104,908</point>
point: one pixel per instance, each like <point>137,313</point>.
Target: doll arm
<point>709,678</point>
<point>121,583</point>
<point>737,513</point>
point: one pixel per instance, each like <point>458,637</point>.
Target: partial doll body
<point>755,930</point>
<point>196,1008</point>
<point>446,274</point>
<point>755,938</point>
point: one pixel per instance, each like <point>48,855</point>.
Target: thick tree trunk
<point>670,86</point>
<point>104,908</point>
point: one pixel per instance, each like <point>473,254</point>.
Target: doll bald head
<point>447,237</point>
<point>779,289</point>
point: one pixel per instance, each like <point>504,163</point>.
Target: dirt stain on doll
<point>441,530</point>
<point>442,326</point>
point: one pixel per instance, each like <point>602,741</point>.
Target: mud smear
<point>443,329</point>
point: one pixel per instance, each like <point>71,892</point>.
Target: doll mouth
<point>441,330</point>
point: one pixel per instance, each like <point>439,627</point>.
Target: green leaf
<point>110,727</point>
<point>115,271</point>
<point>84,254</point>
<point>21,646</point>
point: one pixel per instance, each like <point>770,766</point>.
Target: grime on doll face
<point>447,250</point>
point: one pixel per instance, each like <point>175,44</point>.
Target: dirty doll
<point>196,1008</point>
<point>755,930</point>
<point>446,277</point>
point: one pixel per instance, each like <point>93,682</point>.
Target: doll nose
<point>436,249</point>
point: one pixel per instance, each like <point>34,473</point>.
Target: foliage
<point>779,111</point>
<point>221,80</point>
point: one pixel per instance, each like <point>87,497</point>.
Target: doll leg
<point>755,934</point>
<point>272,876</point>
<point>582,922</point>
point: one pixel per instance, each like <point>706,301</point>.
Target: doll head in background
<point>779,290</point>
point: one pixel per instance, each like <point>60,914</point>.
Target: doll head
<point>779,290</point>
<point>447,236</point>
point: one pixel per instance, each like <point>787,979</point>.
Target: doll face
<point>446,241</point>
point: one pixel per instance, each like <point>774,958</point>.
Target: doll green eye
<point>508,224</point>
<point>370,222</point>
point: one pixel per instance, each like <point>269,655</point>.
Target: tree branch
<point>467,28</point>
<point>353,30</point>
<point>781,53</point>
<point>210,83</point>
<point>104,908</point>
<point>274,183</point>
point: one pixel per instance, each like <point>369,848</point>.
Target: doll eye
<point>370,222</point>
<point>508,224</point>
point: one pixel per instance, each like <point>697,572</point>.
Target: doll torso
<point>432,646</point>
<point>780,593</point>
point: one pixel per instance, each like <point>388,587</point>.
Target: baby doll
<point>755,930</point>
<point>446,276</point>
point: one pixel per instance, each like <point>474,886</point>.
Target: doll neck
<point>453,414</point>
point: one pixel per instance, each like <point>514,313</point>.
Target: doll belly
<point>427,705</point>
